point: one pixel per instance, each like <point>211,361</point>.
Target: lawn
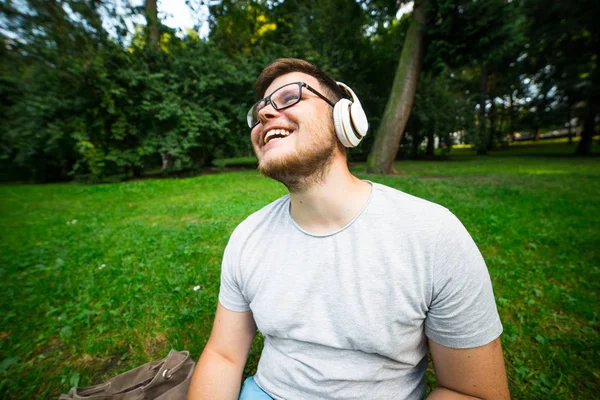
<point>97,279</point>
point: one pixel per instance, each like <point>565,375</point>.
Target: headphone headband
<point>346,89</point>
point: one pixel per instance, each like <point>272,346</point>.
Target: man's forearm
<point>442,393</point>
<point>215,378</point>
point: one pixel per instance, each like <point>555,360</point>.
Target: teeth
<point>276,133</point>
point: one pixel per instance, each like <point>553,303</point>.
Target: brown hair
<point>283,66</point>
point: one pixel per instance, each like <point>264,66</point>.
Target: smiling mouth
<point>276,134</point>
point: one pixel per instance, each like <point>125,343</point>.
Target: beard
<point>304,167</point>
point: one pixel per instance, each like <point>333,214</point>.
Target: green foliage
<point>473,33</point>
<point>117,109</point>
<point>563,55</point>
<point>113,109</point>
<point>192,120</point>
<point>441,109</point>
<point>81,97</point>
<point>487,35</point>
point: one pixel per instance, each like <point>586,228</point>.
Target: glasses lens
<point>286,96</point>
<point>252,116</point>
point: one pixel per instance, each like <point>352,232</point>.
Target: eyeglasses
<point>282,98</point>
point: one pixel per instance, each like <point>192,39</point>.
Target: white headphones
<point>349,119</point>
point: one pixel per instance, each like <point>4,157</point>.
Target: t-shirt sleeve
<point>462,312</point>
<point>230,292</point>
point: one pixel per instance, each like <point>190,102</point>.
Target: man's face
<point>304,142</point>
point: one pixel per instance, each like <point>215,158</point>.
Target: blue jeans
<point>251,391</point>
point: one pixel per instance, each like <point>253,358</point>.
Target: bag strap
<point>169,372</point>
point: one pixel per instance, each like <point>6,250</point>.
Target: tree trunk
<point>584,148</point>
<point>482,140</point>
<point>152,23</point>
<point>135,171</point>
<point>511,116</point>
<point>570,128</point>
<point>397,110</point>
<point>500,128</point>
<point>539,116</point>
<point>153,35</point>
<point>167,161</point>
<point>415,145</point>
<point>430,150</point>
<point>492,130</point>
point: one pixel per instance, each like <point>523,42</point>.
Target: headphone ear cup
<point>350,120</point>
<point>351,134</point>
<point>360,124</point>
<point>338,121</point>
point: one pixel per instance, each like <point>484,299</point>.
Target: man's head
<point>283,66</point>
<point>294,138</point>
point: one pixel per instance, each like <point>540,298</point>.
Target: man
<point>349,281</point>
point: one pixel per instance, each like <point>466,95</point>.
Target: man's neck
<point>331,203</point>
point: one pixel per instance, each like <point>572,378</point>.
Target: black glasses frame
<point>253,114</point>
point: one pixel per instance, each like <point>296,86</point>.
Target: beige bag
<point>167,379</point>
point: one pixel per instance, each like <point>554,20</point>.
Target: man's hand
<point>469,373</point>
<point>218,373</point>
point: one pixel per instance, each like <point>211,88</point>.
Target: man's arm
<point>218,373</point>
<point>469,373</point>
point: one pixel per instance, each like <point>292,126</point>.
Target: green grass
<point>97,279</point>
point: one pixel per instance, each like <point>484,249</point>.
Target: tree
<point>152,23</point>
<point>78,103</point>
<point>441,109</point>
<point>455,34</point>
<point>387,140</point>
<point>485,35</point>
<point>563,53</point>
<point>53,55</point>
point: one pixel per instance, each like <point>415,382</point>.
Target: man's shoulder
<point>409,206</point>
<point>272,212</point>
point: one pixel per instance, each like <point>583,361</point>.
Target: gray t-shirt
<point>347,315</point>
